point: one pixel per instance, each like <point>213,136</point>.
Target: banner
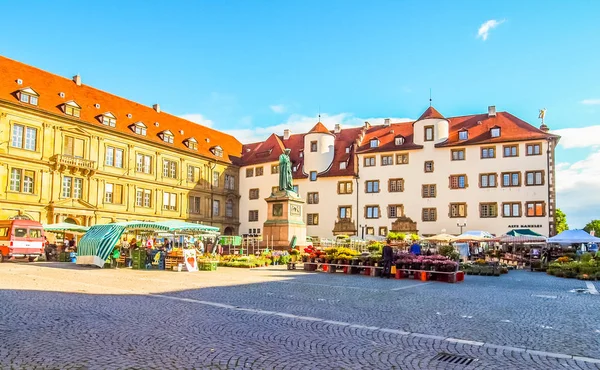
<point>189,256</point>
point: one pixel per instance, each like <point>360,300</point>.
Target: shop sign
<point>189,256</point>
<point>525,226</point>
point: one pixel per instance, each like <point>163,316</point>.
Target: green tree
<point>593,225</point>
<point>561,221</point>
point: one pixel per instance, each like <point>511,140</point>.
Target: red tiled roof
<point>387,138</point>
<point>431,112</point>
<point>48,86</point>
<point>479,126</point>
<point>319,128</point>
<point>263,152</point>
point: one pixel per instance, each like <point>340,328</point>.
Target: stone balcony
<point>72,164</point>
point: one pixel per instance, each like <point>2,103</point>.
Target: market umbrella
<point>474,236</point>
<point>519,239</point>
<point>573,237</point>
<point>441,238</point>
<point>65,226</point>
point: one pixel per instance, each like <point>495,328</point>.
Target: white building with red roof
<point>490,171</point>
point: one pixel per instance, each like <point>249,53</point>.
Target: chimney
<point>367,125</point>
<point>286,134</point>
<point>386,122</point>
<point>156,107</point>
<point>77,80</point>
<point>492,111</point>
<point>337,129</point>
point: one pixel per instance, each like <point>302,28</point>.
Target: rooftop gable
<point>431,112</point>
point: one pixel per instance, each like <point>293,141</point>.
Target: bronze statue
<point>285,171</point>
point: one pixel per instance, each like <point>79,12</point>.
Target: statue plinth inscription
<point>284,210</point>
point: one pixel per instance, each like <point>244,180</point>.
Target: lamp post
<point>461,225</point>
<point>362,231</point>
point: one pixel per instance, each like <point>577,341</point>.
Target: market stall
<point>57,237</point>
<point>101,240</point>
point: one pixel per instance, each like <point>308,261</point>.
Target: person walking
<point>388,257</point>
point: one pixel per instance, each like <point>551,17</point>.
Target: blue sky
<point>254,67</point>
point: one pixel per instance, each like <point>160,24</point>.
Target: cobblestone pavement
<point>60,316</point>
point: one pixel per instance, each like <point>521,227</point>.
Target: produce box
<point>207,266</point>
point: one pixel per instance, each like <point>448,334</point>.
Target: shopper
<point>388,257</point>
<point>415,248</point>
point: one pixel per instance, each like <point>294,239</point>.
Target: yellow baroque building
<point>70,152</point>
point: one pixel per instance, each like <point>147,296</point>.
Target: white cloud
<point>485,28</point>
<point>198,118</point>
<point>591,101</point>
<point>279,108</point>
<point>301,124</point>
<point>577,187</point>
<point>581,137</point>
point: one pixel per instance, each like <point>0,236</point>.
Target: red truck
<point>21,239</point>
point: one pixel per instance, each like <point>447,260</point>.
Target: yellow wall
<point>47,203</point>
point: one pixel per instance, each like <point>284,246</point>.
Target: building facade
<point>490,172</point>
<point>69,152</point>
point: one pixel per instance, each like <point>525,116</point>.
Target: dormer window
<point>191,143</point>
<point>463,135</point>
<point>139,128</point>
<point>342,165</point>
<point>495,132</point>
<point>399,140</point>
<point>347,149</point>
<point>72,109</point>
<point>28,96</point>
<point>167,136</point>
<point>108,119</point>
<point>217,151</point>
<point>374,143</point>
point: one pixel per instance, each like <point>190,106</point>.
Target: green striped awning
<point>97,244</point>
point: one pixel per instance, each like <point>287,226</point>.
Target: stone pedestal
<point>284,220</point>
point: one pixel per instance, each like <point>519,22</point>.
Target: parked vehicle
<point>21,239</point>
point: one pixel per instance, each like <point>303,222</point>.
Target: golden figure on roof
<point>542,114</point>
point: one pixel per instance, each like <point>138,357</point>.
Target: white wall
<point>414,177</point>
<point>321,159</point>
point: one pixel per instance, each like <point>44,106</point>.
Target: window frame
<point>141,167</point>
<point>402,158</point>
<point>511,205</point>
<point>25,138</point>
<point>428,163</point>
<point>170,169</point>
<point>312,197</point>
<point>533,145</point>
<point>250,172</point>
<point>511,174</point>
<point>274,169</point>
<point>493,210</point>
<point>370,161</point>
<point>398,184</point>
<point>395,207</point>
<point>169,206</point>
<point>427,194</point>
<point>259,171</point>
<point>488,148</point>
<point>387,160</point>
<point>254,193</point>
<point>510,146</point>
<point>426,129</point>
<point>428,211</point>
<point>375,209</point>
<point>457,157</point>
<point>312,219</point>
<point>457,204</point>
<point>458,176</point>
<point>22,182</point>
<point>542,178</point>
<point>384,229</point>
<point>194,204</point>
<point>374,143</point>
<point>251,213</point>
<point>399,140</point>
<point>375,188</point>
<point>314,146</point>
<point>535,203</point>
<point>313,175</point>
<point>466,132</point>
<point>346,185</point>
<point>495,129</point>
<point>347,212</point>
<point>488,175</point>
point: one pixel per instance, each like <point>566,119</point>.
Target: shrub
<point>446,250</point>
<point>587,257</point>
<point>560,273</point>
